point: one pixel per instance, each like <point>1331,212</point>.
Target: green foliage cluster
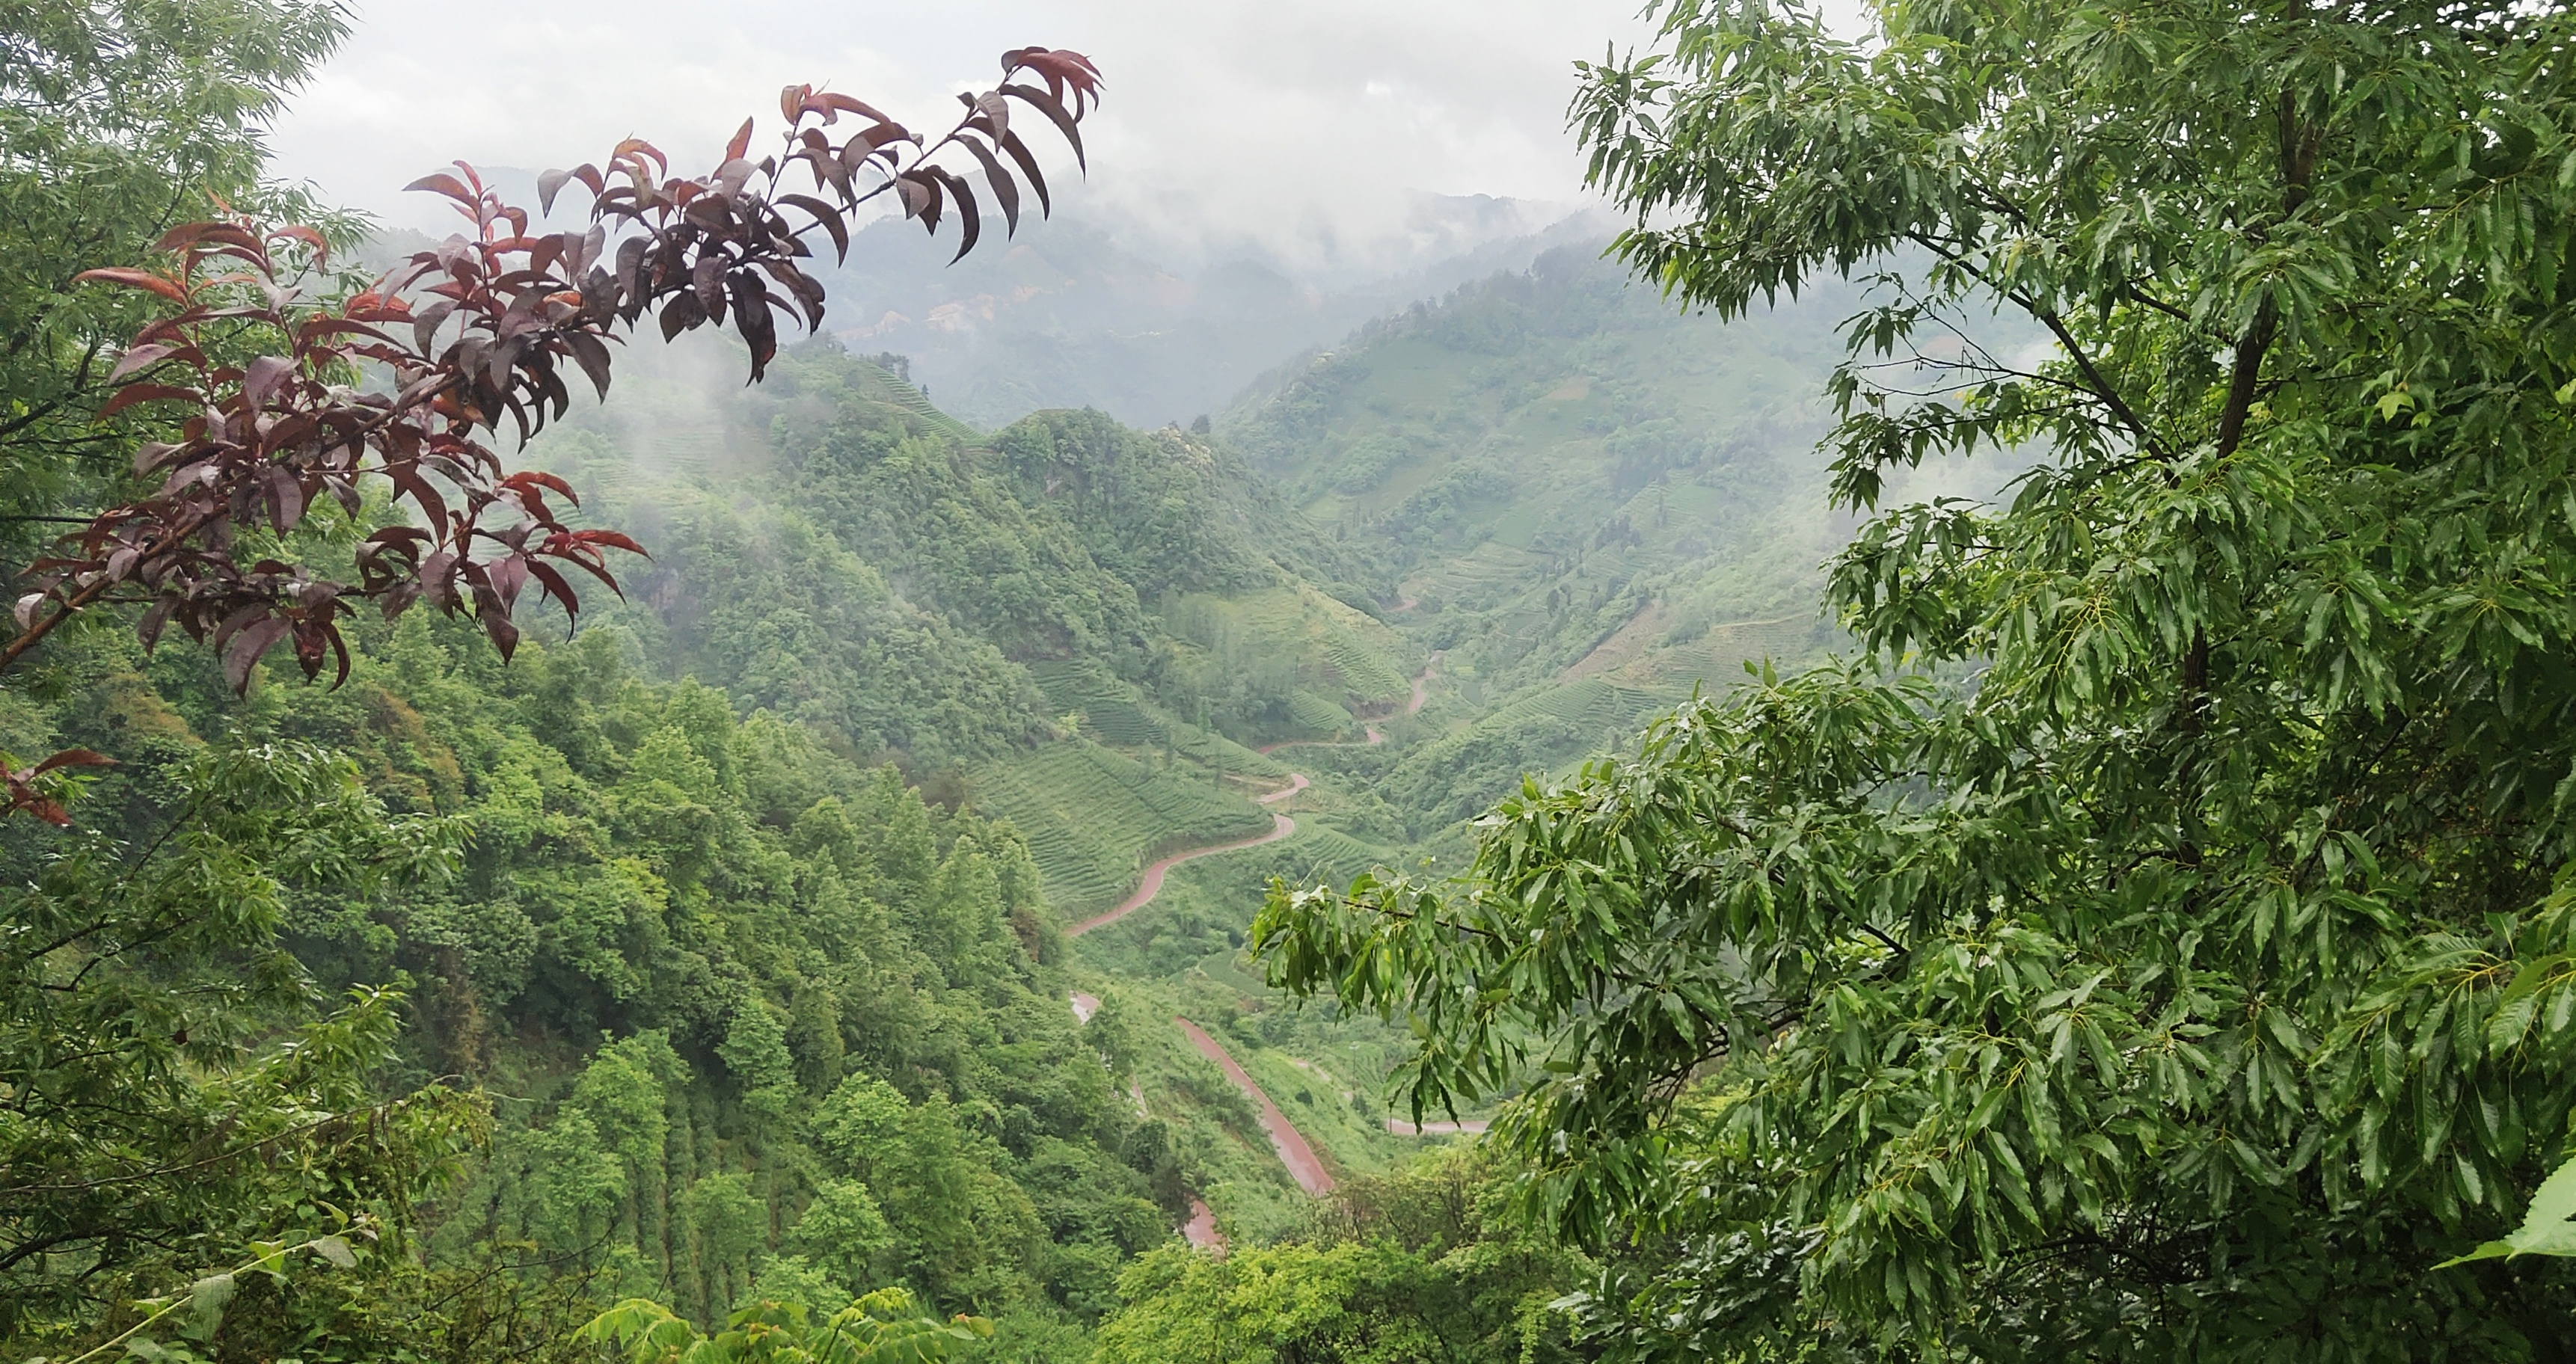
<point>1430,1264</point>
<point>664,989</point>
<point>95,171</point>
<point>878,1328</point>
<point>763,601</point>
<point>178,1086</point>
<point>2155,944</point>
<point>2158,942</point>
<point>1461,774</point>
<point>1284,663</point>
<point>886,568</point>
<point>758,1016</point>
<point>1148,507</point>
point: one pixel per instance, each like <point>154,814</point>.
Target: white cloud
<point>1302,127</point>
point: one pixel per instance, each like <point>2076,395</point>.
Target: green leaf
<point>2545,1230</point>
<point>206,1300</point>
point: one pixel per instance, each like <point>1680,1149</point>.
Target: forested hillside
<point>1097,313</point>
<point>1953,749</point>
<point>1591,501</point>
<point>733,949</point>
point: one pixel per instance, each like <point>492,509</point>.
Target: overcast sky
<point>1284,122</point>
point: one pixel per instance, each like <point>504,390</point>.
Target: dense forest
<point>1954,747</point>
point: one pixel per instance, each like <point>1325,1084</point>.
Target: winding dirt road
<point>1421,693</point>
<point>1370,730</point>
<point>1201,1228</point>
<point>1300,1158</point>
<point>1293,1149</point>
<point>1280,827</point>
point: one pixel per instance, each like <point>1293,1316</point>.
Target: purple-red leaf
<point>440,182</point>
<point>261,378</point>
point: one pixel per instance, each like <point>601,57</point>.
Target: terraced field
<point>1352,652</point>
<point>1108,707</point>
<point>1323,853</point>
<point>1112,713</point>
<point>883,386</point>
<point>1641,653</point>
<point>680,449</point>
<point>1590,704</point>
<point>1315,714</point>
<point>1364,670</point>
<point>1478,576</point>
<point>1093,818</point>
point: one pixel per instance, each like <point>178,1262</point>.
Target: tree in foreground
<point>220,432</point>
<point>883,1327</point>
<point>2158,942</point>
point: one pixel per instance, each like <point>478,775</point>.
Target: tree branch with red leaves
<point>480,327</point>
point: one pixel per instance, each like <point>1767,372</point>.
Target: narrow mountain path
<point>1280,827</point>
<point>1422,684</point>
<point>1421,693</point>
<point>1201,1230</point>
<point>1294,1152</point>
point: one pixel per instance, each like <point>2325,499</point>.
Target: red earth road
<point>1294,1153</point>
<point>1280,827</point>
<point>1201,1228</point>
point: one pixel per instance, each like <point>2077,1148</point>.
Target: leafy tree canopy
<point>92,170</point>
<point>2157,942</point>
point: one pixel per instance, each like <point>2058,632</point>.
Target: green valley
<point>1950,743</point>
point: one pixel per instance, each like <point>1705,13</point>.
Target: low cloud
<point>1306,133</point>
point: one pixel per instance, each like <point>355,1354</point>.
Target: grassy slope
<point>1572,479</point>
<point>1094,817</point>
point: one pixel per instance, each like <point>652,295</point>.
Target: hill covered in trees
<point>1319,883</point>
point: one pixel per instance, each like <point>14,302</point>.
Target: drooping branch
<point>479,327</point>
<point>2096,383</point>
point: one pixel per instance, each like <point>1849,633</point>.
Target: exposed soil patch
<point>1294,1152</point>
<point>1281,826</point>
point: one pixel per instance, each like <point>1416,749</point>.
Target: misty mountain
<point>1150,326</point>
<point>1083,316</point>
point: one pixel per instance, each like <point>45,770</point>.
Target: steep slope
<point>1078,626</point>
<point>1592,502</point>
<point>1570,476</point>
<point>1577,502</point>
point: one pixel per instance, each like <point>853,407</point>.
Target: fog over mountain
<point>1263,179</point>
<point>1152,330</point>
<point>1306,131</point>
<point>1074,317</point>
